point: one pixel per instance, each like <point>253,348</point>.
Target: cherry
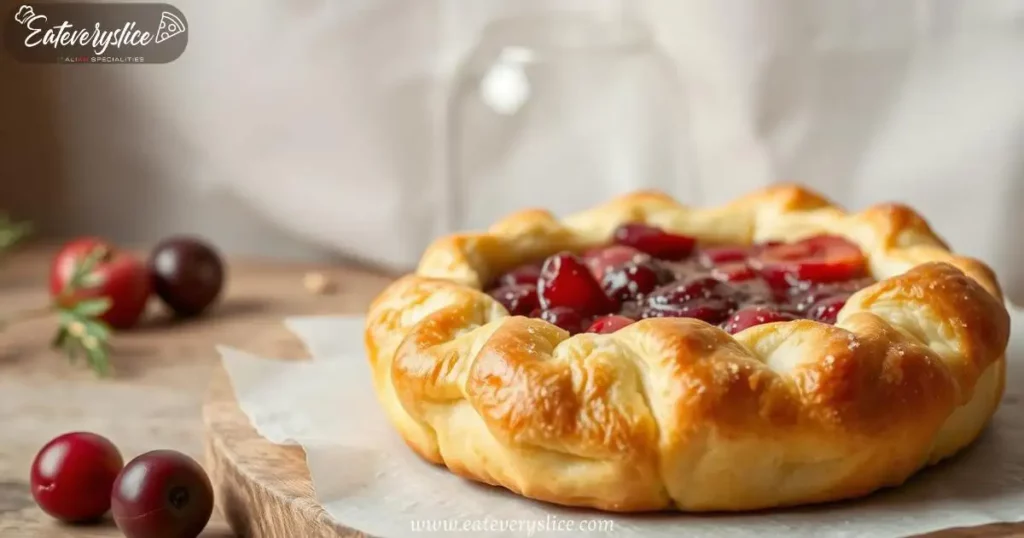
<point>734,272</point>
<point>565,281</point>
<point>630,281</point>
<point>162,494</point>
<point>519,299</point>
<point>803,298</point>
<point>655,241</point>
<point>72,476</point>
<point>699,287</point>
<point>117,276</point>
<point>563,317</point>
<point>609,324</point>
<point>524,274</point>
<point>702,297</point>
<point>719,255</point>
<point>601,260</point>
<point>823,258</point>
<point>187,274</point>
<point>754,315</point>
<point>827,310</point>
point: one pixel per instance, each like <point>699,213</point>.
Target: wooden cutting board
<point>264,490</point>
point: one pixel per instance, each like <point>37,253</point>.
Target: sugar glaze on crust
<point>673,413</point>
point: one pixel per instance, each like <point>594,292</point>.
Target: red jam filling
<point>651,273</point>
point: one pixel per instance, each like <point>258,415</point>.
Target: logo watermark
<point>524,527</point>
<point>95,33</point>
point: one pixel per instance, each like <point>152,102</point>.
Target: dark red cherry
<point>187,274</point>
<point>683,291</point>
<point>823,258</point>
<point>754,315</point>
<point>72,476</point>
<point>803,297</point>
<point>630,281</point>
<point>565,318</point>
<point>826,310</point>
<point>602,259</point>
<point>701,297</point>
<point>524,274</point>
<point>519,300</point>
<point>711,257</point>
<point>609,324</point>
<point>565,281</point>
<point>162,494</point>
<point>655,241</point>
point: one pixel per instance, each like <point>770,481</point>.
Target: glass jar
<point>562,105</point>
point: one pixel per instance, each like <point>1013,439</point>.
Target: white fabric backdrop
<point>326,116</point>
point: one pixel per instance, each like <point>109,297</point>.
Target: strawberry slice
<point>818,259</point>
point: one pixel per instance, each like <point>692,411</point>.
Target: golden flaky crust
<point>673,413</point>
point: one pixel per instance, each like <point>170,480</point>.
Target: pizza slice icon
<point>170,26</point>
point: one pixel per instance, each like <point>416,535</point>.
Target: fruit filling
<point>650,273</point>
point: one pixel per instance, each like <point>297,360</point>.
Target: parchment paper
<point>367,479</point>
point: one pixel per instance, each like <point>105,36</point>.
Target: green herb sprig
<point>81,331</point>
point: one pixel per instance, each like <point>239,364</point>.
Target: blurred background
<point>362,129</point>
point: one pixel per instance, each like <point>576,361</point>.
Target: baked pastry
<point>786,352</point>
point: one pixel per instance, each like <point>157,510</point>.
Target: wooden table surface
<point>162,372</point>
